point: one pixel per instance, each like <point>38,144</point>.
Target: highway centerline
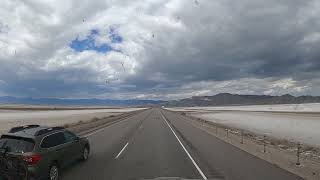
<point>192,160</point>
<point>122,150</point>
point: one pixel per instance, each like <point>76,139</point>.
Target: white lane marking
<point>94,132</point>
<point>193,161</point>
<point>122,150</point>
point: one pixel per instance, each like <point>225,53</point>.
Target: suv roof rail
<point>47,130</point>
<point>20,128</point>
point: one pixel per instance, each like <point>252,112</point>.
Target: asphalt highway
<point>158,143</point>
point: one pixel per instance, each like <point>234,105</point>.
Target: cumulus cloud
<point>159,49</point>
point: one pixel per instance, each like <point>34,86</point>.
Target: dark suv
<point>36,152</point>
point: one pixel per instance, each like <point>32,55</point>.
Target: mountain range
<point>224,99</point>
<point>77,102</point>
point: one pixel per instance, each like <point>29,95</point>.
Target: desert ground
<point>42,115</point>
<point>294,122</point>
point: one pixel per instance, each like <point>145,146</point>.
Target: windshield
<point>145,89</point>
<point>16,145</point>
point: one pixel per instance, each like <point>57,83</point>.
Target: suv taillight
<point>32,159</point>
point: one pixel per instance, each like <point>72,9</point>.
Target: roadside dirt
<point>279,152</point>
<point>84,127</point>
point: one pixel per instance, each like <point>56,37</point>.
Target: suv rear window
<point>53,140</point>
<point>16,144</point>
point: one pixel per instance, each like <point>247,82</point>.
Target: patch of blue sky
<point>89,42</point>
<point>114,36</point>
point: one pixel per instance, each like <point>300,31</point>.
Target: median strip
<point>91,128</point>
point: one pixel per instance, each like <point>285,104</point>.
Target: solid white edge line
<point>99,130</point>
<point>121,151</point>
<point>94,132</point>
<point>193,161</point>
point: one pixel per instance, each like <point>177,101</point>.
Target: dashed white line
<point>122,150</point>
<point>193,161</point>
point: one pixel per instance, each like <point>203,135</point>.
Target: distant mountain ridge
<point>224,99</point>
<point>84,102</point>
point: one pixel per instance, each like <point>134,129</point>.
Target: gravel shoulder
<point>279,152</point>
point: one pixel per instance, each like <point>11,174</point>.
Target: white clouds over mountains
<point>158,48</point>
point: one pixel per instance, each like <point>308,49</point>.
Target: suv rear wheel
<point>54,172</point>
<point>85,153</point>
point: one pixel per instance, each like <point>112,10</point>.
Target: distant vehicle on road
<point>36,152</point>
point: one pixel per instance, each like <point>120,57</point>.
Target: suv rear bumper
<point>34,173</point>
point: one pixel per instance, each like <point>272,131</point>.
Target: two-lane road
<point>157,143</point>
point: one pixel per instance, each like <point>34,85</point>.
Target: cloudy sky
<point>158,49</point>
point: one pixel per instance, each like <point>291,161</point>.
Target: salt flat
<point>300,125</point>
<point>11,118</point>
<point>310,107</point>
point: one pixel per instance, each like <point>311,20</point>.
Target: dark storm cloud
<point>256,39</point>
<point>166,49</point>
<point>60,83</point>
